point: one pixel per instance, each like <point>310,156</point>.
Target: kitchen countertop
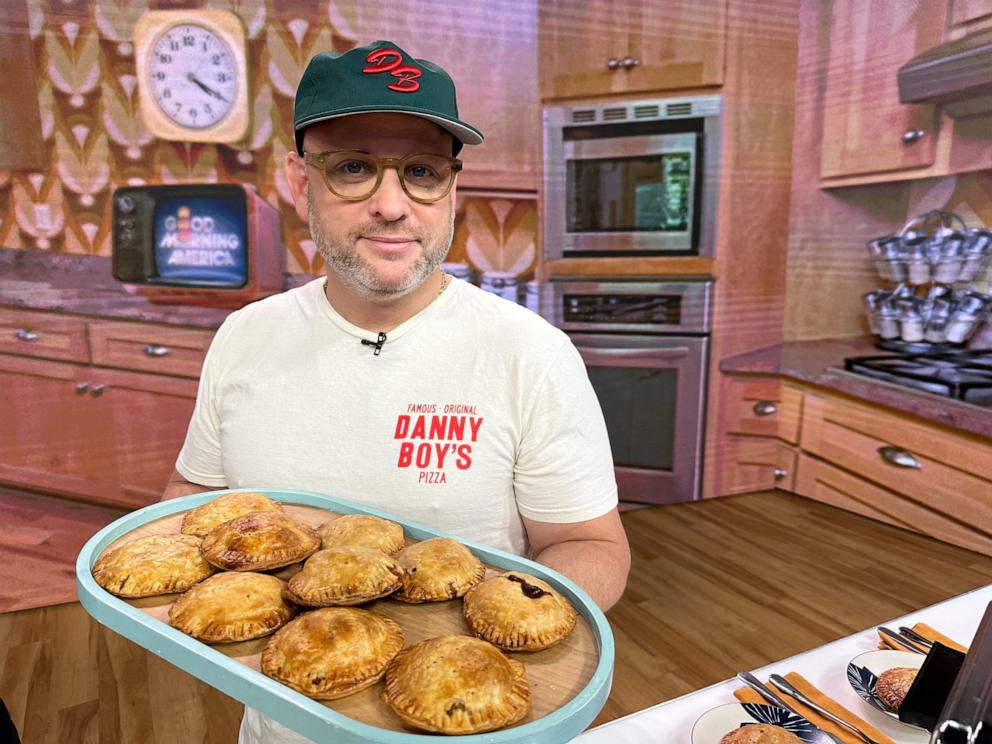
<point>820,362</point>
<point>36,280</point>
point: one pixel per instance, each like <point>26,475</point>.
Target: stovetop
<point>964,376</point>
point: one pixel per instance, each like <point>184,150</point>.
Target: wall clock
<point>192,75</point>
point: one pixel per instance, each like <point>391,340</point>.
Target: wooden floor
<point>716,587</point>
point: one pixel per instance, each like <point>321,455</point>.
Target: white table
<point>825,667</point>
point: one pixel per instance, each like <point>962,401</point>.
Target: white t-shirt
<point>475,411</point>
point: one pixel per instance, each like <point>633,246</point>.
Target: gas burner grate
<point>964,376</point>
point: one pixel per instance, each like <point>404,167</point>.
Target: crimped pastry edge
<point>420,593</point>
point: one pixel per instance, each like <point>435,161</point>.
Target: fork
<point>783,685</point>
<point>820,736</point>
<point>899,639</point>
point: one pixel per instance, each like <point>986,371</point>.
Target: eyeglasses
<point>354,175</point>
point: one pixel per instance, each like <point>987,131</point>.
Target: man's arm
<point>594,554</point>
<point>179,486</point>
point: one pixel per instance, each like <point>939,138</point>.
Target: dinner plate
<point>863,671</point>
<point>717,722</point>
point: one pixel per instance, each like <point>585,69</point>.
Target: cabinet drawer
<point>149,348</point>
<point>756,464</point>
<point>764,407</point>
<point>946,473</point>
<point>824,482</point>
<point>43,335</point>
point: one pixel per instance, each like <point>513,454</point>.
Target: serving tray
<point>569,682</point>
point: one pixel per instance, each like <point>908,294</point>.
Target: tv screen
<point>201,240</point>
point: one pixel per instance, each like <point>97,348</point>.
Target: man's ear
<point>297,177</point>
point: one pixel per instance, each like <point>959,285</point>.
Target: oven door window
<point>639,405</point>
<point>648,193</point>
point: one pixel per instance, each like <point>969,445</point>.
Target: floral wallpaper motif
<point>95,139</point>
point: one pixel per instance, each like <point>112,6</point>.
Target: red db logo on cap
<point>388,60</point>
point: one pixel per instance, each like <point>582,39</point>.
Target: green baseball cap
<point>379,77</point>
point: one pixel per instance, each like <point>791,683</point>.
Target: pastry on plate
<point>332,652</point>
<point>456,685</point>
<point>893,684</point>
<point>231,607</point>
<point>518,612</point>
<point>202,519</point>
<point>362,531</point>
<point>344,576</point>
<point>156,564</point>
<point>259,541</point>
<point>438,569</point>
<point>761,733</point>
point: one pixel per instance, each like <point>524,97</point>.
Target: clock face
<point>192,76</point>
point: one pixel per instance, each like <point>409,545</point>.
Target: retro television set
<point>197,244</point>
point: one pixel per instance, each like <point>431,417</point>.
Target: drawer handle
<point>613,63</point>
<point>899,457</point>
<point>912,135</point>
<point>764,408</point>
<point>780,473</point>
<point>629,62</point>
<point>82,388</point>
<point>156,351</point>
<point>97,390</point>
<point>25,335</point>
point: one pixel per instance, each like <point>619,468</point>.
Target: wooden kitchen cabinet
<point>630,46</point>
<point>866,130</point>
<point>95,409</point>
<point>758,464</point>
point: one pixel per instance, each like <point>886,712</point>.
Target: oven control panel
<point>621,308</point>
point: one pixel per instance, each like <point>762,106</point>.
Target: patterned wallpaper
<point>95,139</point>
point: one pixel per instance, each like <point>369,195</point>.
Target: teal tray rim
<point>278,701</point>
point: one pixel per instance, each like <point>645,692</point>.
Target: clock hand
<point>209,91</point>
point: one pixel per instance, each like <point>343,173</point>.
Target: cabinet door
<point>46,439</point>
<point>865,127</point>
<point>756,464</point>
<point>677,44</point>
<point>577,42</point>
<point>490,49</point>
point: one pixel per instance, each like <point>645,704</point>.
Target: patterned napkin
<point>927,632</point>
<point>747,695</point>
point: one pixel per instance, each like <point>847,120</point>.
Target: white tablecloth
<point>825,667</point>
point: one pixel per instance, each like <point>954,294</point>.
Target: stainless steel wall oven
<point>636,178</point>
<point>645,348</point>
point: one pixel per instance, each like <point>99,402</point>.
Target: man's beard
<point>339,251</point>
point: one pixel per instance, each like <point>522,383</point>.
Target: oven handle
<point>595,355</point>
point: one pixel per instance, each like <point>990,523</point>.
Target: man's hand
<point>594,554</point>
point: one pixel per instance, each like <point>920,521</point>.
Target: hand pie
<point>518,612</point>
<point>232,607</point>
<point>258,541</point>
<point>362,531</point>
<point>893,685</point>
<point>760,733</point>
<point>456,685</point>
<point>202,519</point>
<point>157,564</point>
<point>438,569</point>
<point>344,576</point>
<point>332,652</point>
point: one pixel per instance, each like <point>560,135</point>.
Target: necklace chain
<point>444,283</point>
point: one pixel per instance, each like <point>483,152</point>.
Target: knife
<point>915,637</point>
<point>782,684</point>
<point>899,640</point>
<point>819,735</point>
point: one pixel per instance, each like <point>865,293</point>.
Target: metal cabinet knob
<point>613,63</point>
<point>899,457</point>
<point>156,351</point>
<point>82,388</point>
<point>97,390</point>
<point>22,334</point>
<point>780,473</point>
<point>912,135</point>
<point>630,62</point>
<point>764,408</point>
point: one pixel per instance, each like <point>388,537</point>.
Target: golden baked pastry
<point>438,569</point>
<point>202,519</point>
<point>258,541</point>
<point>332,652</point>
<point>518,612</point>
<point>232,607</point>
<point>761,733</point>
<point>157,564</point>
<point>893,684</point>
<point>344,576</point>
<point>362,531</point>
<point>456,685</point>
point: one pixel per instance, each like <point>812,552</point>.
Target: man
<point>390,383</point>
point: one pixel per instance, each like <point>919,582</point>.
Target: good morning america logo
<point>204,241</point>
